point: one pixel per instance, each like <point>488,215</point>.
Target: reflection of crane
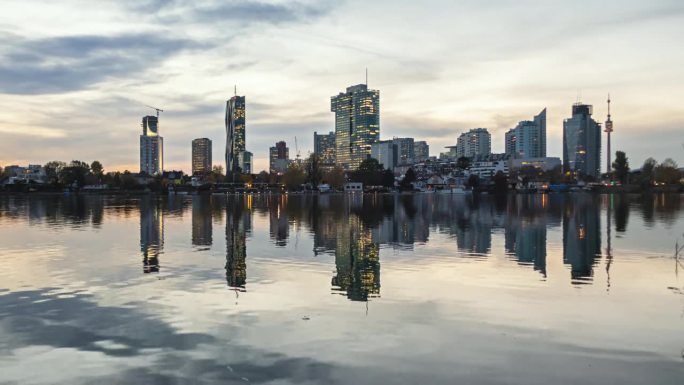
<point>155,108</point>
<point>297,148</point>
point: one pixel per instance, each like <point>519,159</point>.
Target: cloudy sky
<point>75,75</point>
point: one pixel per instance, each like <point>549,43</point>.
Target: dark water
<point>423,289</point>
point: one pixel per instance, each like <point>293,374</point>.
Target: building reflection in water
<point>151,233</point>
<point>525,230</point>
<point>581,235</point>
<point>238,224</point>
<point>202,217</point>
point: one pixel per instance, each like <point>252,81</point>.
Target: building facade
<point>201,156</point>
<point>324,148</point>
<point>386,152</point>
<point>357,124</point>
<point>151,147</point>
<point>476,142</point>
<point>528,138</point>
<point>405,150</point>
<point>582,143</point>
<point>421,151</point>
<point>235,132</point>
<point>279,157</point>
<point>245,162</point>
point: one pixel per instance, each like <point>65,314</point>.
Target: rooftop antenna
<point>235,91</point>
<point>366,76</point>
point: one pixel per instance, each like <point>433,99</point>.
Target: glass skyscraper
<point>235,132</point>
<point>528,138</point>
<point>357,124</point>
<point>151,147</point>
<point>324,148</point>
<point>201,156</point>
<point>582,143</point>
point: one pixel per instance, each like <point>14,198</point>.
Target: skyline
<point>440,72</point>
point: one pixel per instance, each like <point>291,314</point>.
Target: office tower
<point>386,152</point>
<point>421,151</point>
<point>475,142</point>
<point>405,153</point>
<point>202,224</point>
<point>235,132</point>
<point>608,129</point>
<point>324,148</point>
<point>245,162</point>
<point>151,147</point>
<point>201,156</point>
<point>279,157</point>
<point>528,138</point>
<point>582,143</point>
<point>357,124</point>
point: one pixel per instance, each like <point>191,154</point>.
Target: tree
<point>263,177</point>
<point>294,177</point>
<point>314,174</point>
<point>500,182</point>
<point>52,170</point>
<point>409,178</point>
<point>667,172</point>
<point>463,163</point>
<point>370,165</point>
<point>74,173</point>
<point>335,177</point>
<point>621,166</point>
<point>216,175</point>
<point>96,168</point>
<point>473,181</point>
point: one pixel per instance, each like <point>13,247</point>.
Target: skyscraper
<point>582,142</point>
<point>475,142</point>
<point>151,147</point>
<point>357,124</point>
<point>201,156</point>
<point>245,162</point>
<point>235,132</point>
<point>279,157</point>
<point>421,151</point>
<point>386,153</point>
<point>405,151</point>
<point>608,129</point>
<point>324,148</point>
<point>528,138</point>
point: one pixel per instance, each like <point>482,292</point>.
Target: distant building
<point>528,138</point>
<point>421,151</point>
<point>476,142</point>
<point>545,164</point>
<point>151,147</point>
<point>582,142</point>
<point>279,157</point>
<point>386,152</point>
<point>245,162</point>
<point>486,166</point>
<point>357,124</point>
<point>235,132</point>
<point>324,148</point>
<point>34,173</point>
<point>201,156</point>
<point>405,150</point>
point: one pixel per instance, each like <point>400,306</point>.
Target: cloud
<point>69,63</point>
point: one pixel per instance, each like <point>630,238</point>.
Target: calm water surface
<point>386,289</point>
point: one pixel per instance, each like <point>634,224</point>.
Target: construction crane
<point>297,148</point>
<point>155,108</point>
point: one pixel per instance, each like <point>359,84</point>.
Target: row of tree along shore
<point>310,175</point>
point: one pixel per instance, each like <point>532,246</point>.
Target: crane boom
<point>155,108</point>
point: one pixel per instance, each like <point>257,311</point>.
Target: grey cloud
<point>68,63</point>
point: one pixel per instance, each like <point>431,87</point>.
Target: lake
<point>342,289</point>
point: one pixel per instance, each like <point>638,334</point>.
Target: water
<point>372,289</point>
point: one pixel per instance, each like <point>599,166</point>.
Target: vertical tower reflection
<point>236,245</point>
<point>151,233</point>
<point>202,227</point>
<point>581,236</point>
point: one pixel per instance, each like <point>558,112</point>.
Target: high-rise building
<point>421,151</point>
<point>279,157</point>
<point>405,151</point>
<point>324,148</point>
<point>386,152</point>
<point>357,124</point>
<point>151,147</point>
<point>245,162</point>
<point>582,143</point>
<point>235,132</point>
<point>201,156</point>
<point>476,142</point>
<point>528,138</point>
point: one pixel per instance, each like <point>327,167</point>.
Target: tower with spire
<point>608,129</point>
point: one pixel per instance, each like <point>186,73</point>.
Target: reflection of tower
<point>151,234</point>
<point>608,129</point>
<point>581,236</point>
<point>201,221</point>
<point>609,255</point>
<point>236,246</point>
<point>278,220</point>
<point>525,232</point>
<point>357,259</point>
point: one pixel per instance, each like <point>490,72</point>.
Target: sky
<point>76,76</point>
